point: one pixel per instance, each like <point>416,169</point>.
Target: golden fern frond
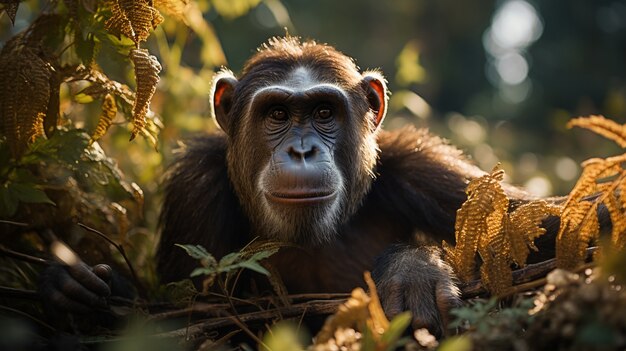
<point>119,24</point>
<point>477,221</point>
<point>603,126</point>
<point>618,220</point>
<point>174,8</point>
<point>133,18</point>
<point>102,85</point>
<point>147,69</point>
<point>109,110</point>
<point>36,129</point>
<point>351,312</point>
<point>495,272</point>
<point>26,78</point>
<point>524,226</point>
<point>377,322</point>
<point>143,18</point>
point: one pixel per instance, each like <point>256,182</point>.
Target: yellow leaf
<point>109,110</point>
<point>147,69</point>
<point>132,18</point>
<point>603,126</point>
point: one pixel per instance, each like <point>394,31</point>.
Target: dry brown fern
<point>133,18</point>
<point>602,182</point>
<point>25,76</point>
<point>603,126</point>
<point>109,110</point>
<point>484,226</point>
<point>361,312</point>
<point>480,217</point>
<point>101,85</point>
<point>147,69</point>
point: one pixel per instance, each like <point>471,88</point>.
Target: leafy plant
<point>246,258</point>
<point>501,238</point>
<point>603,181</point>
<point>484,226</point>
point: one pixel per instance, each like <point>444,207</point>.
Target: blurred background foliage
<point>498,78</point>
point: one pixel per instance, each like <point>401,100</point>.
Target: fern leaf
<point>618,220</point>
<point>352,311</point>
<point>109,110</point>
<point>36,129</point>
<point>119,24</point>
<point>477,221</point>
<point>147,70</point>
<point>133,18</point>
<point>603,126</point>
<point>495,271</point>
<point>28,77</point>
<point>524,226</point>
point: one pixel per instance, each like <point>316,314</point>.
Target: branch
<point>315,307</point>
<point>119,248</point>
<point>24,257</point>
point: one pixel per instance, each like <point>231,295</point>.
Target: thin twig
<point>121,250</point>
<point>24,257</point>
<point>235,317</point>
<point>318,307</point>
<point>19,224</point>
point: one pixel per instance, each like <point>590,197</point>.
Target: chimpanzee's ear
<point>222,98</point>
<point>376,91</point>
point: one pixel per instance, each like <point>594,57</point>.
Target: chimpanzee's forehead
<point>288,59</point>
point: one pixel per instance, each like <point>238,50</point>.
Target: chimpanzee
<point>302,159</point>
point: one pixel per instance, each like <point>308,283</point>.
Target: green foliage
<point>491,327</point>
<point>227,264</point>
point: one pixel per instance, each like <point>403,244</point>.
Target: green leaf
<point>397,326</point>
<point>66,146</point>
<point>25,192</point>
<point>230,259</point>
<point>8,203</point>
<point>261,255</point>
<point>196,251</point>
<point>201,271</point>
<point>255,266</point>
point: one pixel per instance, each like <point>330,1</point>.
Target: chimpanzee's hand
<point>78,288</point>
<point>417,280</point>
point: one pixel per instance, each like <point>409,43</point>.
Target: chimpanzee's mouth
<point>301,197</point>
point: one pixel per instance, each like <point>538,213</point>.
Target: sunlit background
<point>498,78</point>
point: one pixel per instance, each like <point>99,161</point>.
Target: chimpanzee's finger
<point>83,274</point>
<point>74,290</point>
<point>104,272</point>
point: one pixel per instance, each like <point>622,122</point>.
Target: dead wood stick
<point>314,307</point>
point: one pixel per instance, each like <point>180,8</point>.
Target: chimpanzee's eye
<point>279,114</point>
<point>324,113</point>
